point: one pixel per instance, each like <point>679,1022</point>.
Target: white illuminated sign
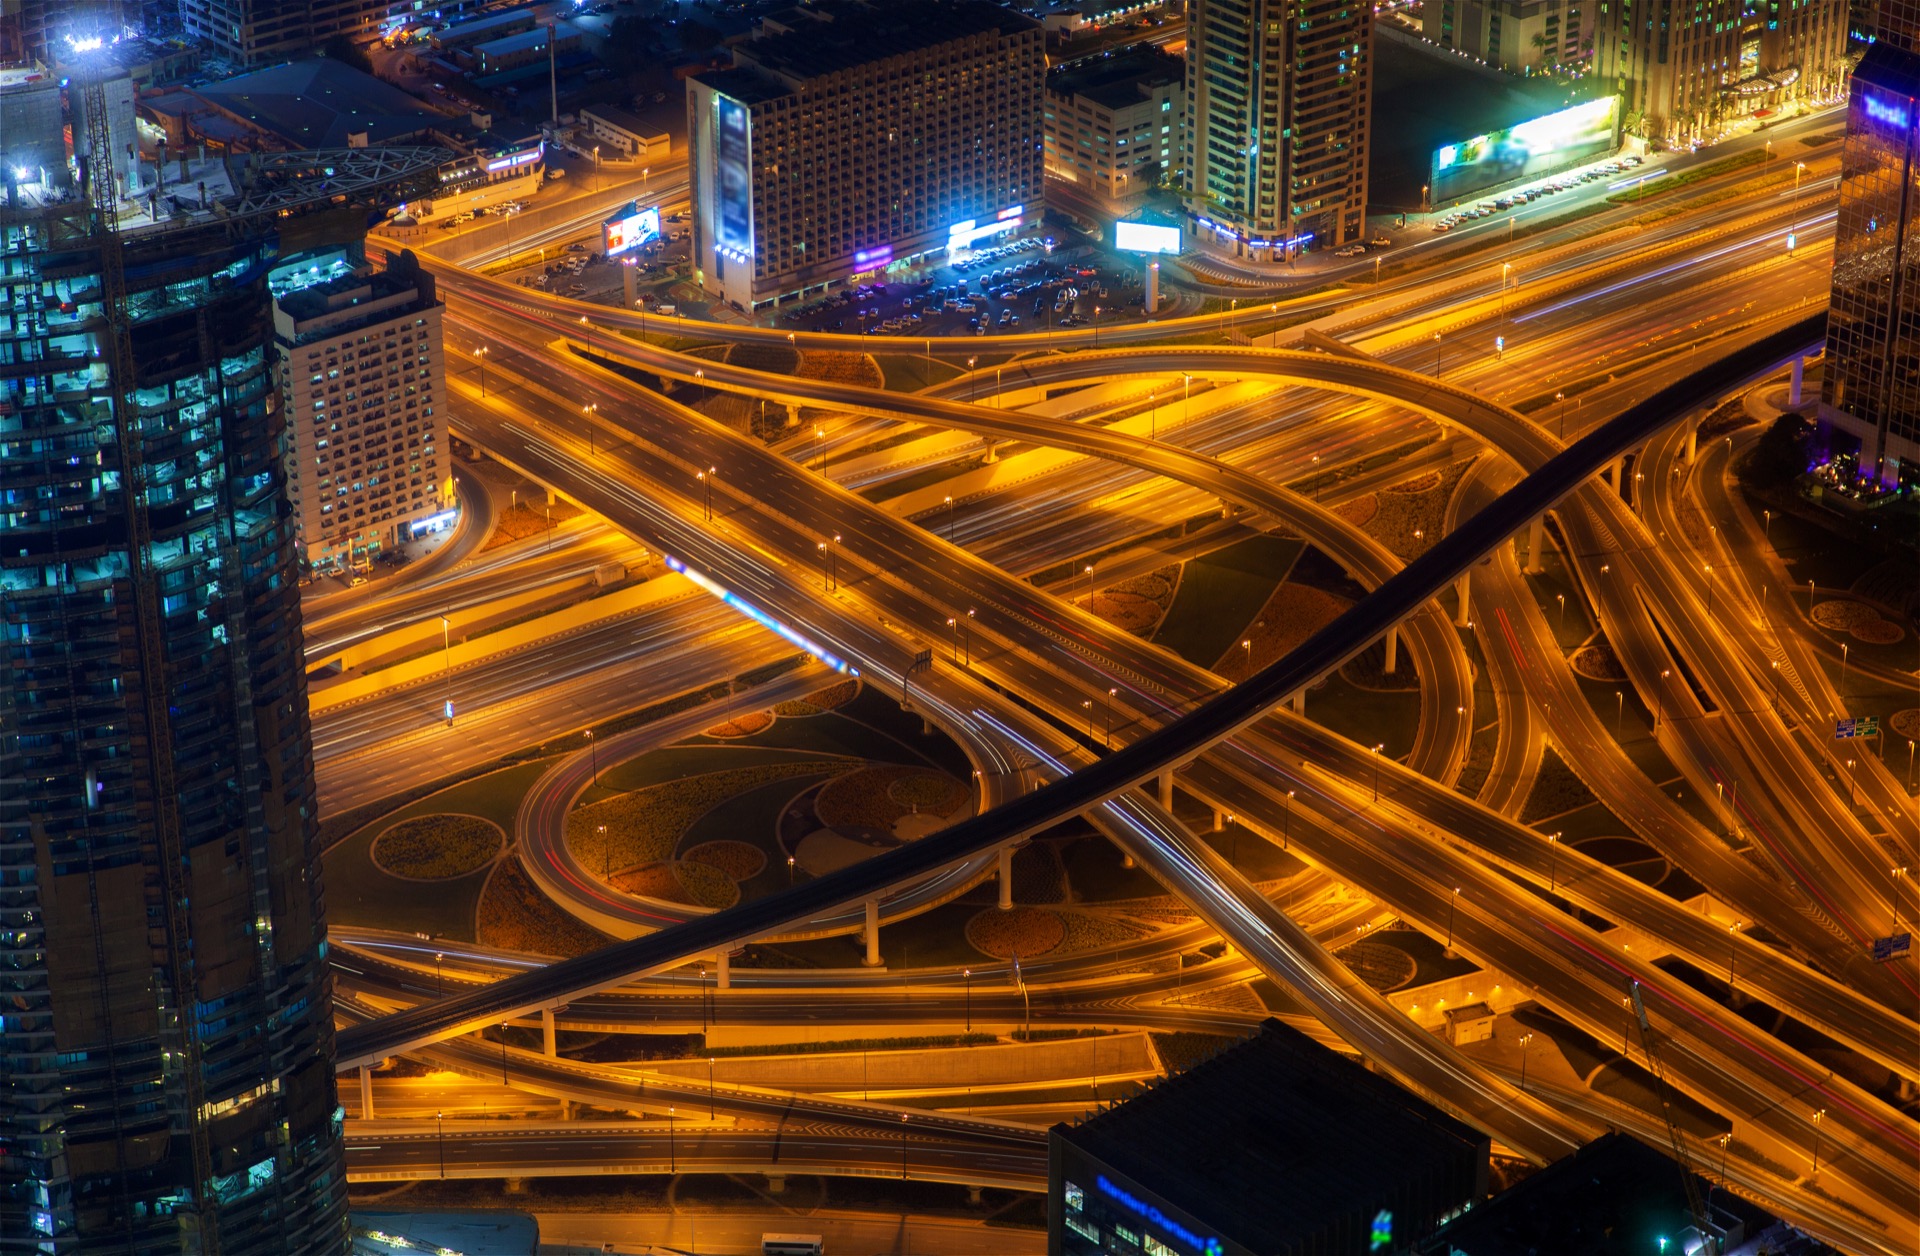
<point>1145,237</point>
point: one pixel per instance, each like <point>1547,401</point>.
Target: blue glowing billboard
<point>733,171</point>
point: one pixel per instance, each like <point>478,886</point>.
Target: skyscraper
<point>1684,71</point>
<point>1278,115</point>
<point>1871,388</point>
<point>165,1019</point>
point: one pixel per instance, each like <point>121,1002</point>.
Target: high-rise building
<point>1278,113</point>
<point>165,1016</point>
<point>850,136</point>
<point>1114,122</point>
<point>1686,71</point>
<point>1518,36</point>
<point>1871,387</point>
<point>253,33</point>
<point>360,370</point>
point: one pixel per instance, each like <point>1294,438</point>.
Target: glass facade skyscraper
<point>165,1017</point>
<point>1871,388</point>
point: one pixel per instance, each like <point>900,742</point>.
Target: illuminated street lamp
<point>1816,1140</point>
<point>967,973</point>
<point>446,664</point>
<point>1452,902</point>
<point>1376,769</point>
<point>1553,862</point>
<point>593,754</point>
<point>1525,1040</point>
<point>1186,400</point>
<point>706,479</point>
<point>587,412</point>
<point>480,356</point>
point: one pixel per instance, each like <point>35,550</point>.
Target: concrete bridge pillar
<point>366,1093</point>
<point>1006,878</point>
<point>1218,818</point>
<point>549,1037</point>
<point>1536,541</point>
<point>1693,441</point>
<point>993,451</point>
<point>1300,702</point>
<point>724,963</point>
<point>873,934</point>
<point>1462,586</point>
<point>793,415</point>
<point>553,498</point>
<point>1166,791</point>
<point>973,1192</point>
<point>1615,470</point>
<point>776,1183</point>
<point>1393,649</point>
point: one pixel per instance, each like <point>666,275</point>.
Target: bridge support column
<point>1218,818</point>
<point>549,1037</point>
<point>1226,509</point>
<point>973,1192</point>
<point>1693,441</point>
<point>776,1183</point>
<point>1006,878</point>
<point>1166,791</point>
<point>553,498</point>
<point>793,415</point>
<point>1799,377</point>
<point>873,934</point>
<point>1462,586</point>
<point>569,1110</point>
<point>993,452</point>
<point>366,1093</point>
<point>1536,540</point>
<point>516,1186</point>
<point>1615,470</point>
<point>1393,649</point>
<point>1299,701</point>
<point>724,964</point>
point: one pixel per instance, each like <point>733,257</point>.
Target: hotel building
<point>1114,123</point>
<point>847,137</point>
<point>1278,114</point>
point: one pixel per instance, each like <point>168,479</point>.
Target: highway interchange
<point>1424,852</point>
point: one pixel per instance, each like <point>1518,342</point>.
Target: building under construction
<point>165,1015</point>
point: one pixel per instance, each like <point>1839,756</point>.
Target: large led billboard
<point>733,157</point>
<point>1145,237</point>
<point>629,229</point>
<point>1532,149</point>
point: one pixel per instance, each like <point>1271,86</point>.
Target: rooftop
<point>832,36</point>
<point>1270,1135</point>
<point>318,103</point>
<point>535,38</point>
<point>1117,81</point>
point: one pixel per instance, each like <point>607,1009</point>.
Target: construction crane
<point>149,625</point>
<point>1696,1206</point>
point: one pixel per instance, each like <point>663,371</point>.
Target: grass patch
<point>643,826</point>
<point>437,847</point>
<point>906,372</point>
<point>1556,790</point>
<point>1219,594</point>
<point>1669,184</point>
<point>1181,1051</point>
<point>516,916</point>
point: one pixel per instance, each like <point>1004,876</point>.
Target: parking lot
<point>1534,191</point>
<point>1019,286</point>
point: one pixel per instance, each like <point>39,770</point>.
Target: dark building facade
<point>165,1011</point>
<point>1871,388</point>
<point>1275,1147</point>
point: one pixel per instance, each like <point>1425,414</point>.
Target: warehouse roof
<point>319,102</point>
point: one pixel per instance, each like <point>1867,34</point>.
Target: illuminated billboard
<point>733,158</point>
<point>1530,150</point>
<point>629,229</point>
<point>1145,237</point>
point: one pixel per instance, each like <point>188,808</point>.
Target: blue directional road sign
<point>1894,947</point>
<point>1862,726</point>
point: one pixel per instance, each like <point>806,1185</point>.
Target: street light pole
<point>1376,770</point>
<point>968,974</point>
<point>1286,820</point>
<point>1452,902</point>
<point>1524,1040</point>
<point>480,356</point>
<point>1553,862</point>
<point>594,755</point>
<point>446,664</point>
<point>710,1088</point>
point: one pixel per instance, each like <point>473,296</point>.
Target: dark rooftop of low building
<point>1115,82</point>
<point>1435,97</point>
<point>1271,1134</point>
<point>830,36</point>
<point>1614,1196</point>
<point>319,102</point>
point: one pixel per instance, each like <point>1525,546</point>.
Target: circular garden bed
<point>829,699</point>
<point>437,847</point>
<point>744,725</point>
<point>1024,931</point>
<point>741,861</point>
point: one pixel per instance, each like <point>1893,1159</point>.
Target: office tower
<point>1278,111</point>
<point>252,33</point>
<point>1518,36</point>
<point>1871,387</point>
<point>1685,72</point>
<point>165,1015</point>
<point>849,136</point>
<point>360,371</point>
<point>1114,122</point>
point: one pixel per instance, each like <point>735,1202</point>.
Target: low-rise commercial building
<point>360,368</point>
<point>623,133</point>
<point>1274,1145</point>
<point>1114,123</point>
<point>850,136</point>
<point>510,52</point>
